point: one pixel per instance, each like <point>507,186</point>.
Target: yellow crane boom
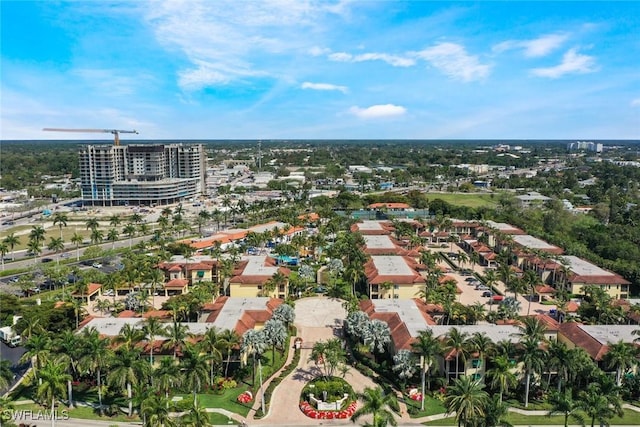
<point>115,132</point>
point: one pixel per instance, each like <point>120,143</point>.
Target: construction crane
<point>115,132</point>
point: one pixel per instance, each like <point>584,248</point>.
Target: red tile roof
<point>545,289</point>
<point>176,283</point>
<point>580,338</point>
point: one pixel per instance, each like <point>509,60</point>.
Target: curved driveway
<point>317,319</point>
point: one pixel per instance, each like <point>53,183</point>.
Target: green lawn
<point>462,199</point>
<point>227,400</point>
<point>630,418</point>
<point>431,407</point>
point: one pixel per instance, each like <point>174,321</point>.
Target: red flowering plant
<point>312,412</point>
<point>245,397</point>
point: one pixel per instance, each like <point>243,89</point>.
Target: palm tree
<point>97,236</point>
<point>129,336</point>
<point>457,342</point>
<point>167,376</point>
<point>35,248</point>
<point>114,221</point>
<point>559,359</point>
<point>129,230</point>
<point>112,236</point>
<point>4,248</point>
<point>177,335</point>
<point>68,350</point>
<point>12,241</point>
<point>532,328</point>
<point>53,386</point>
<point>467,399</point>
<point>56,244</point>
<point>92,224</point>
<point>77,240</point>
<point>60,219</point>
<point>37,233</point>
<point>96,356</point>
<point>212,343</point>
<point>38,350</point>
<point>480,344</point>
<point>563,403</point>
<point>275,335</point>
<point>495,413</point>
<point>428,348</point>
<point>152,328</point>
<point>155,412</point>
<point>622,357</point>
<point>597,406</point>
<point>500,375</point>
<point>197,416</point>
<point>127,369</point>
<point>532,357</point>
<point>194,368</point>
<point>254,345</point>
<point>231,340</point>
<point>6,374</point>
<point>377,403</point>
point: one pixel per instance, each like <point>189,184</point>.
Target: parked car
<point>470,279</point>
<point>482,287</point>
<point>96,265</point>
<point>487,294</point>
<point>47,259</point>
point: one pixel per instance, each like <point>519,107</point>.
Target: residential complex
<point>157,174</point>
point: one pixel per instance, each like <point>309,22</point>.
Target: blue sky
<point>298,69</point>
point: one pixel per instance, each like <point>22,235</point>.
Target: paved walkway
<point>317,319</point>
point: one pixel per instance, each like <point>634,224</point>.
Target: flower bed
<point>245,397</point>
<point>414,394</point>
<point>312,412</point>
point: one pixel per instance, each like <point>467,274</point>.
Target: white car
<point>96,265</point>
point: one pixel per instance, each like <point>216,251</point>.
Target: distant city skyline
<point>277,69</point>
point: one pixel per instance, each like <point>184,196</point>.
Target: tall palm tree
<point>53,386</point>
<point>114,221</point>
<point>621,356</point>
<point>37,233</point>
<point>467,399</point>
<point>60,219</point>
<point>56,244</point>
<point>231,340</point>
<point>112,236</point>
<point>12,241</point>
<point>480,344</point>
<point>429,348</point>
<point>95,358</point>
<point>4,248</point>
<point>167,376</point>
<point>177,335</point>
<point>559,359</point>
<point>377,403</point>
<point>38,348</point>
<point>77,240</point>
<point>212,344</point>
<point>533,358</point>
<point>562,403</point>
<point>127,369</point>
<point>194,368</point>
<point>500,375</point>
<point>35,248</point>
<point>457,342</point>
<point>531,328</point>
<point>97,236</point>
<point>153,328</point>
<point>68,353</point>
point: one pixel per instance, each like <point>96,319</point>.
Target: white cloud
<point>378,111</point>
<point>319,51</point>
<point>324,86</point>
<point>454,61</point>
<point>572,63</point>
<point>635,102</point>
<point>534,48</point>
<point>228,40</point>
<point>393,60</point>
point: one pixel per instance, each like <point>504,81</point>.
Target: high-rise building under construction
<point>150,174</point>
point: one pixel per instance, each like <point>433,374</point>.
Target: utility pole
<point>261,388</point>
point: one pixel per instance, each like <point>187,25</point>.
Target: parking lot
<point>472,293</point>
